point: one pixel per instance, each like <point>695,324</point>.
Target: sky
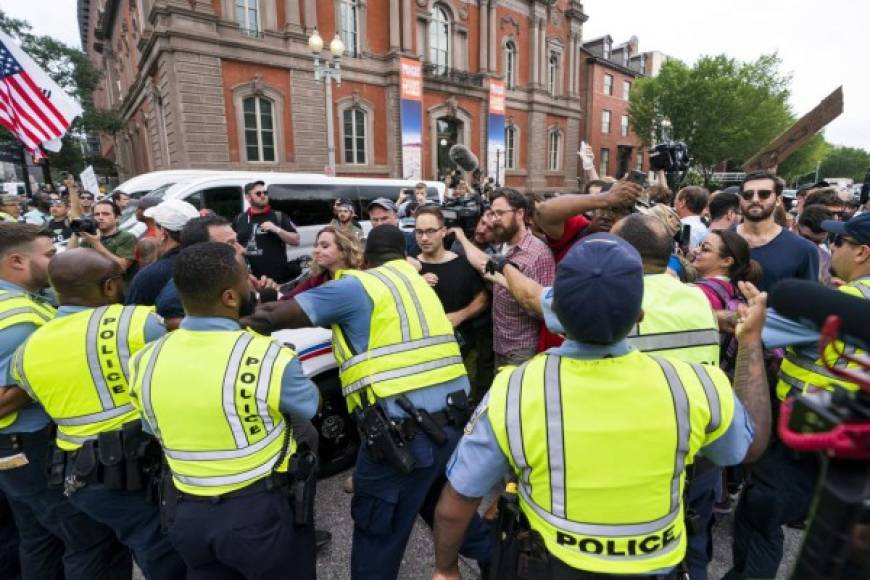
<point>822,43</point>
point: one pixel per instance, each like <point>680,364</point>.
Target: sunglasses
<point>763,194</point>
<point>840,239</point>
<point>86,197</point>
<point>260,193</point>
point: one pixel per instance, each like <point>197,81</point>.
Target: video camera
<point>464,212</point>
<point>85,225</point>
<point>670,156</point>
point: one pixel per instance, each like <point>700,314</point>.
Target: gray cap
<point>384,203</point>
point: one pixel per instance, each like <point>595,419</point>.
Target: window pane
<point>251,138</point>
<point>348,149</point>
<point>360,123</point>
<point>248,105</point>
<point>268,153</point>
<point>252,17</point>
<point>361,152</point>
<point>253,155</point>
<point>266,107</point>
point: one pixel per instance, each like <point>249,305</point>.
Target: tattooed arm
<point>750,378</point>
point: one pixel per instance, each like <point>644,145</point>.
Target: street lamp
<point>327,72</point>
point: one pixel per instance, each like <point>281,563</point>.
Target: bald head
<point>649,237</point>
<point>84,277</point>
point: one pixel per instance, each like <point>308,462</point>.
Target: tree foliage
<point>846,162</point>
<point>725,110</point>
<point>805,159</point>
<point>71,69</point>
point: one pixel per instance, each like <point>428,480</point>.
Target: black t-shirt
<point>266,252</point>
<point>60,230</point>
<point>458,284</point>
<point>786,256</point>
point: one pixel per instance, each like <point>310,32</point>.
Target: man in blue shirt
<point>56,538</point>
<point>386,501</point>
<point>600,270</point>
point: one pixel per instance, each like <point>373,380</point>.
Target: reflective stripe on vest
<point>237,431</point>
<point>670,340</point>
<point>411,342</point>
<point>801,374</point>
<point>91,365</point>
<point>549,417</point>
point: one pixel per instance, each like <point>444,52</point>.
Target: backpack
<point>731,298</point>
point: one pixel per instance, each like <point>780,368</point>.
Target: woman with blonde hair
<point>334,250</point>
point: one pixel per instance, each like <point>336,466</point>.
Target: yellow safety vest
<point>799,373</point>
<point>8,218</point>
<point>212,399</point>
<point>20,308</point>
<point>411,341</point>
<point>76,367</point>
<point>600,449</point>
<point>677,322</point>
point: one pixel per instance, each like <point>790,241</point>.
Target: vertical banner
<point>495,151</point>
<point>411,79</point>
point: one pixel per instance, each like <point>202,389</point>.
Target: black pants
<point>558,570</point>
<point>780,491</point>
<point>247,537</point>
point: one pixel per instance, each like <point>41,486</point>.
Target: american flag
<point>32,106</point>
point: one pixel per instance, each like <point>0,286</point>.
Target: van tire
<point>338,437</point>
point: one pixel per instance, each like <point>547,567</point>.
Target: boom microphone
<point>809,303</point>
<point>463,157</point>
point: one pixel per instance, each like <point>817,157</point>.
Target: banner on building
<point>411,92</point>
<point>495,151</point>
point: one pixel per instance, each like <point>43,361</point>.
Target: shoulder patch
<point>475,417</point>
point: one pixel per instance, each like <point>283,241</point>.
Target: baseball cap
<point>342,202</point>
<point>858,227</point>
<point>147,201</point>
<point>598,289</point>
<point>386,240</point>
<point>172,214</point>
<point>384,203</point>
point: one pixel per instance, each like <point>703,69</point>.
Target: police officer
<point>217,397</point>
<point>590,429</point>
<point>404,381</point>
<point>76,367</point>
<point>56,539</point>
<point>783,481</point>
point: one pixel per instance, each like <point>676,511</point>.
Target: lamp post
<point>327,72</point>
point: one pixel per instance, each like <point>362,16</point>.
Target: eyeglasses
<point>428,233</point>
<point>840,239</point>
<point>90,197</point>
<point>763,194</point>
<point>259,193</point>
<point>500,212</point>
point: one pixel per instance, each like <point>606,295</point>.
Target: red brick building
<point>605,86</point>
<point>230,84</point>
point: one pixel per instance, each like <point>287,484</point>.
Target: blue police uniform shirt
<point>31,417</point>
<point>478,464</point>
<point>299,396</point>
<point>345,302</point>
<point>168,302</point>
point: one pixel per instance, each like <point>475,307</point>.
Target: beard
<point>503,234</point>
<point>248,305</point>
<point>766,212</point>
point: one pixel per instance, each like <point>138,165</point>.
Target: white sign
<point>89,181</point>
<point>10,188</point>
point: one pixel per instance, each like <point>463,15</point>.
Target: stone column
<point>408,24</point>
<point>572,63</point>
<point>293,15</point>
<point>395,25</point>
<point>483,40</point>
<point>534,59</point>
<point>494,52</point>
<point>311,16</point>
<point>542,51</point>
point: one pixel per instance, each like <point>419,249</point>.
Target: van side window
<point>224,201</point>
<point>369,193</point>
<point>308,204</point>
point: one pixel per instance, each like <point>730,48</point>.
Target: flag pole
<point>25,173</point>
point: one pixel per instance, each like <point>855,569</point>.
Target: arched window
<point>354,120</point>
<point>554,150</point>
<point>553,73</point>
<point>510,65</point>
<point>439,39</point>
<point>259,128</point>
<point>511,135</point>
<point>348,26</point>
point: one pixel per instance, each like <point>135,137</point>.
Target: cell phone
<point>638,177</point>
<point>685,239</point>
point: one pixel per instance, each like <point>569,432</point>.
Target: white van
<point>305,198</point>
<point>144,183</point>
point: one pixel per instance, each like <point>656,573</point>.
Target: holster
<point>459,408</point>
<point>85,463</point>
<point>56,466</point>
<point>519,552</point>
<point>303,481</point>
<point>168,499</point>
<point>111,453</point>
<point>135,445</point>
<point>383,439</point>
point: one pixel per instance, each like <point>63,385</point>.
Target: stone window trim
<point>362,46</point>
<point>267,14</point>
<point>555,47</point>
<point>355,102</point>
<point>560,150</point>
<point>457,34</point>
<point>447,109</point>
<point>257,88</point>
<point>515,129</point>
<point>505,41</point>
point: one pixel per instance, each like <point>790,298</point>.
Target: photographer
<point>59,225</point>
<point>102,234</point>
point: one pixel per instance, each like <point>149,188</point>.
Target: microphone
<point>463,157</point>
<point>809,303</point>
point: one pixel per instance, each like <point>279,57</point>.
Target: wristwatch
<point>497,263</point>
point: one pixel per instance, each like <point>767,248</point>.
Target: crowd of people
<point>602,363</point>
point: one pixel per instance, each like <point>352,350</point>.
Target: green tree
<point>71,69</point>
<point>725,110</point>
<point>846,162</point>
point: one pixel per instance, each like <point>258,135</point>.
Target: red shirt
<point>574,227</point>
